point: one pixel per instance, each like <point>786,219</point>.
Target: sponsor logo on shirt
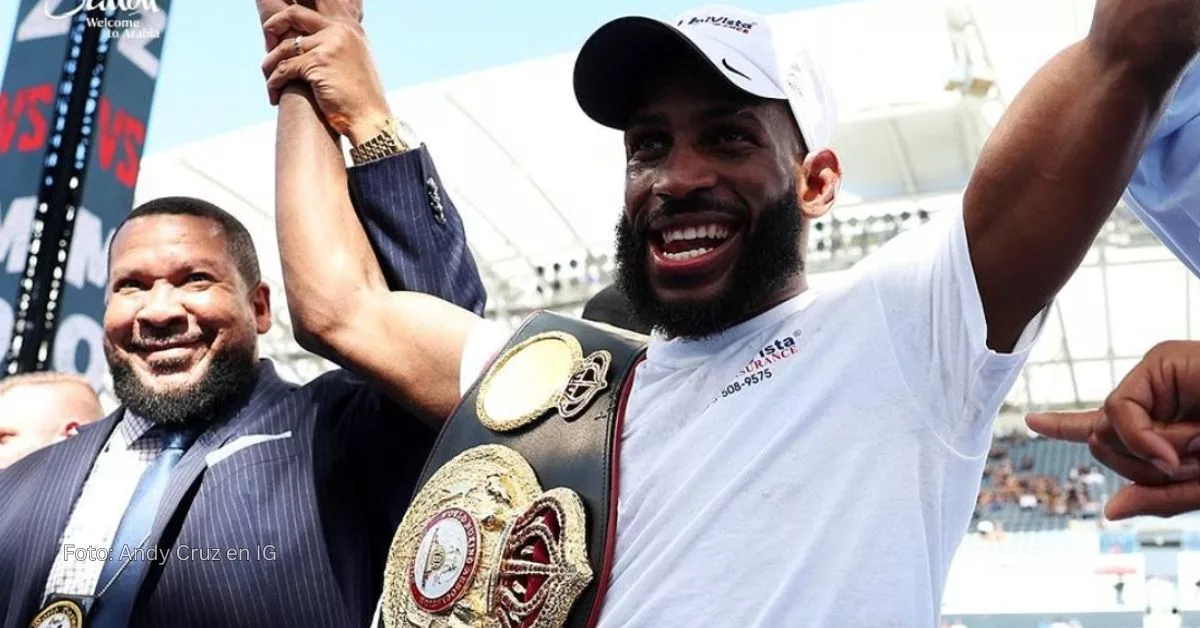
<point>775,352</point>
<point>758,370</point>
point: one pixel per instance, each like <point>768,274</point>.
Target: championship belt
<point>514,520</point>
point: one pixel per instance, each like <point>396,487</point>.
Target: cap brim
<point>610,69</point>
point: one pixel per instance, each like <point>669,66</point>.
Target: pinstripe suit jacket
<point>315,511</point>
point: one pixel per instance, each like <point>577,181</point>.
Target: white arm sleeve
<point>484,341</point>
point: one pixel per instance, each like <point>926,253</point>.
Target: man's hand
<point>268,8</point>
<point>1148,431</point>
<point>331,54</point>
<point>1158,37</point>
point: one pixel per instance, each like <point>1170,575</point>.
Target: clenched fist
<point>1148,431</point>
<point>326,48</point>
<point>1158,37</point>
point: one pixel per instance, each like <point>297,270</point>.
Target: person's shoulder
<point>333,383</point>
<point>336,397</point>
<point>27,469</point>
<point>339,393</point>
<point>910,259</point>
<point>835,297</point>
<point>917,239</point>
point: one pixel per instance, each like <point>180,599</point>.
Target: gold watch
<point>394,138</point>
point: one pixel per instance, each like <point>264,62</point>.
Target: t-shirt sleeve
<point>926,288</point>
<point>483,343</point>
<point>1165,189</point>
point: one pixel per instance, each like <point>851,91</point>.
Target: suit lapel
<point>268,387</point>
<point>63,473</point>
<point>68,464</point>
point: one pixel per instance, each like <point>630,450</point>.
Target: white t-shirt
<point>814,466</point>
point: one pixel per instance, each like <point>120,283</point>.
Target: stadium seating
<point>1050,458</point>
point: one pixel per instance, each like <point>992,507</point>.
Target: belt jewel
<point>483,545</point>
<point>63,613</point>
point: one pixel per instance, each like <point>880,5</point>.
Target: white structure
<point>920,82</point>
<point>1042,572</point>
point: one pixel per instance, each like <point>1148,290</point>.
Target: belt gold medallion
<point>483,545</point>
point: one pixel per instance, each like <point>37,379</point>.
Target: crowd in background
<point>1010,479</point>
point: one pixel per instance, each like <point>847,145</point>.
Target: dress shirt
<point>97,513</point>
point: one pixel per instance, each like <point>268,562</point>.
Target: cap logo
<point>722,21</point>
<point>733,69</point>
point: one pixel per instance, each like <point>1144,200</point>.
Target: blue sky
<point>210,81</point>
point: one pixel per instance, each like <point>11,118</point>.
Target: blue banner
<point>27,93</point>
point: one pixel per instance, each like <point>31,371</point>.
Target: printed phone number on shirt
<point>746,382</point>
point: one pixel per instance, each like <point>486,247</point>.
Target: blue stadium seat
<point>1050,458</point>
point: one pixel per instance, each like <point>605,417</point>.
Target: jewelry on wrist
<point>394,137</point>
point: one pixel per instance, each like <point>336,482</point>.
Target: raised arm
<point>341,306</point>
<point>415,229</point>
<point>1056,164</point>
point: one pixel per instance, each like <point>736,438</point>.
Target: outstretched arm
<point>409,343</point>
<point>1056,164</point>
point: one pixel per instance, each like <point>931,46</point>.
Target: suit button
<point>434,195</point>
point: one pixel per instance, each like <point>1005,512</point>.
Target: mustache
<point>151,339</point>
<point>695,203</point>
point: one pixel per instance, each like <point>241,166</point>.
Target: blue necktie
<point>114,605</point>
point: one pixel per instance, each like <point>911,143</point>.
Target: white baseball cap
<point>737,43</point>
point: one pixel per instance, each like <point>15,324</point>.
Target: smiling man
<point>701,262</point>
<point>179,354</point>
<point>782,456</point>
<point>218,494</point>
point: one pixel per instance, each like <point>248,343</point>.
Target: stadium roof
<point>920,84</point>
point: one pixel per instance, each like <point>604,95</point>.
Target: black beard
<point>228,376</point>
<point>769,256</point>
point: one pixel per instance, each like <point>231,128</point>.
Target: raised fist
<point>1148,431</point>
<point>1158,37</point>
<point>327,49</point>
